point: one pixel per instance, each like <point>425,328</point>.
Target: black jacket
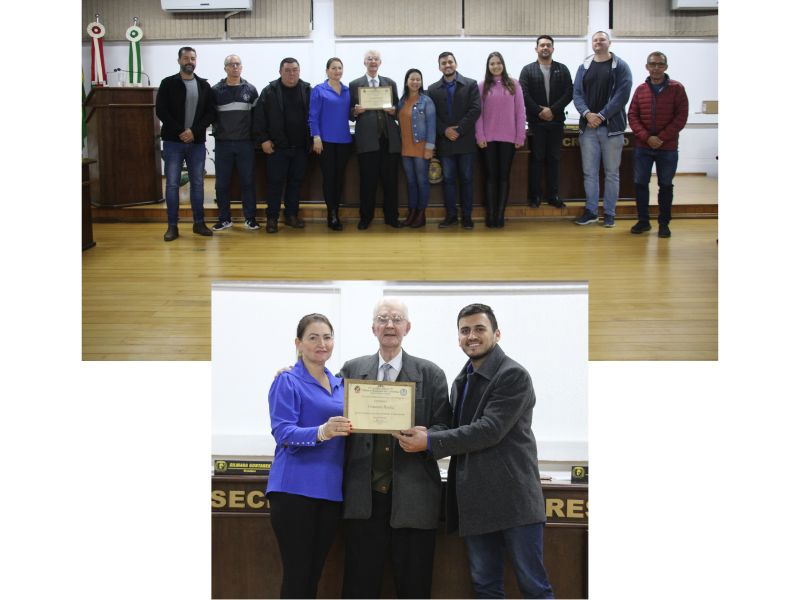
<point>466,110</point>
<point>532,82</point>
<point>171,106</point>
<point>268,122</point>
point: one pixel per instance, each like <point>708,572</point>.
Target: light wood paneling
<point>117,15</point>
<point>272,18</point>
<point>655,18</point>
<point>649,298</point>
<point>390,17</point>
<point>526,17</point>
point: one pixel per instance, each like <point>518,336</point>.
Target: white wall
<point>544,326</point>
<point>693,62</point>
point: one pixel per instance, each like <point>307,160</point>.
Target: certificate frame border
<point>412,400</point>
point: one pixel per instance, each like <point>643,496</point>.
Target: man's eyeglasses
<point>384,319</point>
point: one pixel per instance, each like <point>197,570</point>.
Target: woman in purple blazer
<point>305,482</point>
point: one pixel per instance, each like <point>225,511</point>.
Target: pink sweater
<point>502,115</point>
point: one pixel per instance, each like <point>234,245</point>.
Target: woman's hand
<point>317,145</point>
<point>428,153</point>
<point>334,427</point>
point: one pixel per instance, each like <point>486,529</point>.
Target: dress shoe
<point>363,224</point>
<point>535,202</point>
<point>272,225</point>
<point>419,219</point>
<point>557,202</point>
<point>333,220</point>
<point>171,233</point>
<point>395,224</point>
<point>200,229</point>
<point>448,220</point>
<point>663,231</point>
<point>641,227</point>
<point>294,221</point>
<point>467,223</point>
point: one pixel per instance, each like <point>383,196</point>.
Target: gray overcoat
<point>493,479</point>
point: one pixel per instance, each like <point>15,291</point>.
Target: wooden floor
<point>649,298</point>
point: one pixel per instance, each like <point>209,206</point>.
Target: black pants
<point>380,164</point>
<point>332,162</point>
<point>285,170</point>
<point>497,158</point>
<point>545,144</point>
<point>305,529</point>
<point>368,544</point>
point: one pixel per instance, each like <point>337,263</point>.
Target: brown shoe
<point>294,221</point>
<point>419,219</point>
<point>412,214</point>
<point>272,225</point>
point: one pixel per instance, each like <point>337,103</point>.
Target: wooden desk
<point>570,178</point>
<point>245,561</point>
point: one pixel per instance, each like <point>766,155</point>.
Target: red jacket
<point>663,115</point>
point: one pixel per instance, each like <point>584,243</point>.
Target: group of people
<point>387,487</point>
<point>456,116</point>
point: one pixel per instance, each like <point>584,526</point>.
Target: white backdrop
<point>544,326</point>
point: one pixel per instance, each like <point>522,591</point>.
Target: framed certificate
<point>375,98</point>
<point>379,406</point>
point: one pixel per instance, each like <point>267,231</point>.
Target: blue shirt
<point>298,405</point>
<point>329,114</point>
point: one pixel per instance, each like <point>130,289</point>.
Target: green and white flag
<point>134,35</point>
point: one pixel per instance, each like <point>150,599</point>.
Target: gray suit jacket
<point>493,480</point>
<point>416,484</point>
<point>366,135</point>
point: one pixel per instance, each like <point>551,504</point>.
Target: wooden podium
<point>124,139</point>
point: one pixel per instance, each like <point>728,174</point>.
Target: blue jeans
<point>419,187</point>
<point>285,169</point>
<point>525,545</point>
<point>597,144</point>
<point>241,154</point>
<point>458,166</point>
<point>666,165</point>
<point>174,155</point>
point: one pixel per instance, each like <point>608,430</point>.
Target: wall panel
<point>526,17</point>
<point>389,17</point>
<point>117,16</point>
<point>634,18</point>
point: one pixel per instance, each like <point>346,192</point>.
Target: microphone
<point>118,69</point>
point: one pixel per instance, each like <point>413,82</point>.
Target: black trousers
<point>380,164</point>
<point>285,170</point>
<point>545,144</point>
<point>497,159</point>
<point>305,529</point>
<point>370,542</point>
<point>332,162</point>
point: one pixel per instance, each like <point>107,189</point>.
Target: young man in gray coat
<point>391,498</point>
<point>494,497</point>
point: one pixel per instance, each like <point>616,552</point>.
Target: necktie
<point>373,82</point>
<point>387,372</point>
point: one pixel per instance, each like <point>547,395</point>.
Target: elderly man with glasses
<point>391,498</point>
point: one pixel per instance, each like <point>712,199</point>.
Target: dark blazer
<point>493,479</point>
<point>366,135</point>
<point>268,122</point>
<point>416,484</point>
<point>466,110</point>
<point>171,108</point>
<point>531,79</point>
